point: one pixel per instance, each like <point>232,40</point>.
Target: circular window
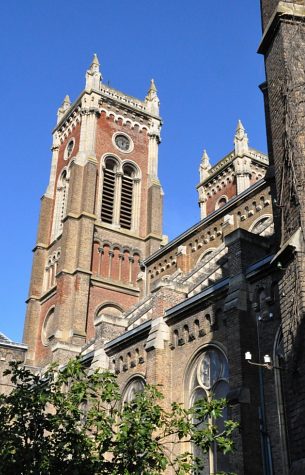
<point>69,149</point>
<point>123,142</point>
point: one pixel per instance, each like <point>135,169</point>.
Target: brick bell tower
<point>100,216</point>
<point>283,46</point>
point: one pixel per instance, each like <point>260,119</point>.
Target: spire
<point>152,100</point>
<point>240,139</point>
<point>204,166</point>
<point>63,108</point>
<point>93,75</point>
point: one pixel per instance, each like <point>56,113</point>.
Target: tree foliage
<point>73,421</point>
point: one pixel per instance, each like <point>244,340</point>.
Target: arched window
<point>60,204</point>
<point>136,385</point>
<point>120,194</point>
<point>279,365</point>
<point>127,197</point>
<point>263,226</point>
<point>221,202</point>
<point>51,270</point>
<point>208,377</point>
<point>108,311</point>
<point>109,186</point>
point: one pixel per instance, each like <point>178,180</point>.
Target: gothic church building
<point>106,285</point>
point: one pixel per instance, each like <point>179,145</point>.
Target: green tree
<point>73,421</point>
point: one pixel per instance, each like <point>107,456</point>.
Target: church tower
<point>100,216</point>
<point>283,46</point>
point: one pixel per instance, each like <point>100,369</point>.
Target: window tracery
<point>51,270</point>
<point>208,377</point>
<point>136,385</point>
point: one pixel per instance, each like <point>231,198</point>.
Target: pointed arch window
<point>279,365</point>
<point>208,377</point>
<point>120,194</point>
<point>109,188</point>
<point>127,197</point>
<point>60,203</point>
<point>136,385</point>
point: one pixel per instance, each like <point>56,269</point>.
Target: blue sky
<point>202,55</point>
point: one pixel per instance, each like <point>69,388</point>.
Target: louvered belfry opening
<point>63,204</point>
<point>126,197</point>
<point>108,192</point>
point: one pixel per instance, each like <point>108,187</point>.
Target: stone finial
<point>204,166</point>
<point>240,139</point>
<point>152,100</point>
<point>63,108</point>
<point>95,61</point>
<point>93,74</point>
<point>66,103</point>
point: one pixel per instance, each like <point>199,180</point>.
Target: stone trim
<point>177,310</point>
<point>12,344</point>
<point>110,284</point>
<point>127,338</point>
<point>284,11</point>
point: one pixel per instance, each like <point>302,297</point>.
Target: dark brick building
<point>105,284</point>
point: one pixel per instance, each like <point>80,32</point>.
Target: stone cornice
<point>178,310</point>
<point>138,333</point>
<point>284,11</point>
<point>13,345</point>
<point>114,285</point>
<point>48,294</point>
<point>78,270</point>
<point>125,232</point>
<point>83,214</point>
<point>41,246</point>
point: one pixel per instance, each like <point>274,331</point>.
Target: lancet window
<point>119,194</point>
<point>51,270</point>
<point>136,385</point>
<point>208,378</point>
<point>60,204</point>
<point>109,185</point>
<point>126,197</point>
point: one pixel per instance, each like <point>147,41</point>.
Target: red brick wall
<point>229,191</point>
